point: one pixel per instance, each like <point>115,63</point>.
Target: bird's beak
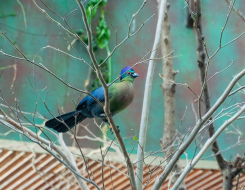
<point>134,75</point>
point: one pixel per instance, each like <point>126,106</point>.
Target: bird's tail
<point>68,118</point>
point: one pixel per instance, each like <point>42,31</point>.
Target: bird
<point>121,95</point>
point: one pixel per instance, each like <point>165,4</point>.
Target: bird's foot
<point>118,131</point>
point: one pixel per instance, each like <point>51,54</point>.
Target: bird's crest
<point>125,70</point>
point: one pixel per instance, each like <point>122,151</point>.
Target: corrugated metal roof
<point>26,170</point>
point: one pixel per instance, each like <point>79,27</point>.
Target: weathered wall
<point>42,32</point>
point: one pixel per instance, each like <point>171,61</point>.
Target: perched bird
<point>121,95</point>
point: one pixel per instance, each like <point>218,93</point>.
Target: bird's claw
<point>118,131</point>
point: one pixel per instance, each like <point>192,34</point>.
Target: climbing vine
<point>100,40</point>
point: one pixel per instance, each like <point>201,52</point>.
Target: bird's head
<point>128,74</point>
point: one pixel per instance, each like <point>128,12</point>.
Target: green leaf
<point>135,138</point>
<point>103,3</point>
<point>103,33</point>
<point>8,15</point>
<point>195,16</point>
<point>94,11</point>
<point>88,13</point>
<point>90,5</point>
<point>102,30</point>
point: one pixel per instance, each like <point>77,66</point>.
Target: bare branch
<point>235,91</point>
<point>44,68</point>
<point>43,11</point>
<point>208,143</point>
<point>147,94</point>
<point>220,71</point>
<point>56,49</point>
<point>106,107</point>
<point>129,35</point>
<point>195,130</point>
<point>236,11</point>
<point>45,144</point>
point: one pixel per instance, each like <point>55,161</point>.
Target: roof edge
<point>153,160</point>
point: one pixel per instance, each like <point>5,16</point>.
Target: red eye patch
<point>129,73</point>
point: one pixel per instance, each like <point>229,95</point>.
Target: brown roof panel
<point>24,170</point>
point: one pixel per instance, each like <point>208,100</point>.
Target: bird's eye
<point>129,73</point>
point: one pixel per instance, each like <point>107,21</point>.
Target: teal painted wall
<point>41,32</point>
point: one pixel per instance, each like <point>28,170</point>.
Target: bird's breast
<point>123,95</point>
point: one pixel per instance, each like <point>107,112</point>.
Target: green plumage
<point>122,95</point>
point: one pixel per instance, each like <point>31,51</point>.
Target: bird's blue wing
<point>88,100</point>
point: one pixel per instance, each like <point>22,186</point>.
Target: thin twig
<point>44,68</point>
<point>236,11</point>
<point>220,71</point>
<point>235,91</point>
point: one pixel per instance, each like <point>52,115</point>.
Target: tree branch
<point>169,96</point>
<point>106,107</point>
<point>147,96</point>
<point>46,145</point>
<point>195,130</point>
<point>203,72</point>
<point>208,143</point>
